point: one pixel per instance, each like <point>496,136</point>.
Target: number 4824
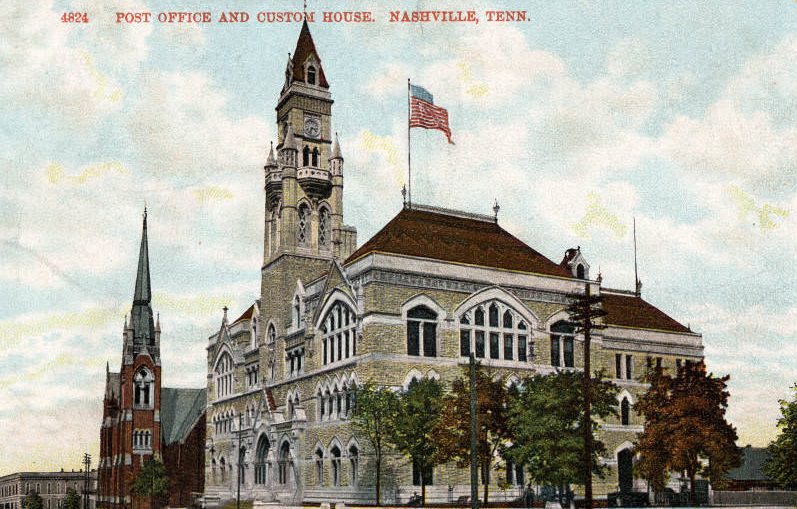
<point>75,17</point>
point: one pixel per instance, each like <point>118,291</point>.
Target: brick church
<point>414,301</point>
<point>144,421</point>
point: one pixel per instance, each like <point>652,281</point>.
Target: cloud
<point>182,120</point>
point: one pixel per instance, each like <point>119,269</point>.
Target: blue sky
<point>680,114</point>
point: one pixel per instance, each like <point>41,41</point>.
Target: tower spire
<point>141,319</point>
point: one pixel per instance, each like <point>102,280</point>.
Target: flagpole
<point>409,166</point>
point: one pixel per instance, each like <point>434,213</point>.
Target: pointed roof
<point>305,47</point>
<point>628,310</point>
<point>271,162</point>
<point>336,149</point>
<point>141,319</point>
<point>180,409</point>
<point>451,236</point>
<point>289,142</point>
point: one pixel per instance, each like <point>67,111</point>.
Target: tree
<point>782,466</point>
<point>453,430</point>
<point>72,500</point>
<point>546,420</point>
<point>419,410</point>
<point>373,417</point>
<point>685,424</point>
<point>33,501</point>
<point>151,481</point>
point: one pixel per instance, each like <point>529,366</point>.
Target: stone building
<point>51,486</point>
<point>414,301</point>
<point>142,420</point>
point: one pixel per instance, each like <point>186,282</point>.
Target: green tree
<point>546,424</point>
<point>684,425</point>
<point>72,500</point>
<point>453,430</point>
<point>33,501</point>
<point>151,482</point>
<point>782,466</point>
<point>419,410</point>
<point>373,416</point>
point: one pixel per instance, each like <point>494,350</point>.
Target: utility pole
<point>583,310</point>
<point>474,438</point>
<point>240,460</point>
<point>86,479</point>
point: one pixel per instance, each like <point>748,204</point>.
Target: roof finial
<point>225,308</point>
<point>600,276</point>
<point>404,194</point>
<point>496,208</point>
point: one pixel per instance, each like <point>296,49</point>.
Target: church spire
<point>141,319</point>
<point>305,62</point>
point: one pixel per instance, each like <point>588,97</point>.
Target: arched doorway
<point>261,457</point>
<point>625,470</point>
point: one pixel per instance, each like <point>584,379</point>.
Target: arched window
<point>311,75</point>
<point>562,345</point>
<point>625,410</point>
<point>306,156</point>
<point>321,405</point>
<point>224,375</point>
<point>580,273</point>
<point>339,333</point>
<point>354,462</point>
<point>302,234</point>
<point>315,157</point>
<point>505,332</point>
<point>254,332</point>
<point>323,227</point>
<point>335,465</point>
<point>261,456</point>
<point>422,331</point>
<point>284,463</point>
<point>144,388</point>
<point>272,334</point>
<point>319,466</point>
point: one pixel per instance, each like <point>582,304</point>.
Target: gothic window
<point>422,332</point>
<point>284,463</point>
<point>354,462</point>
<point>629,367</point>
<point>618,365</point>
<point>323,227</point>
<point>503,336</point>
<point>272,335</point>
<point>580,271</point>
<point>223,465</point>
<point>339,333</point>
<point>335,466</point>
<point>315,157</point>
<point>319,466</point>
<point>306,156</point>
<point>294,361</point>
<point>302,234</point>
<point>261,456</point>
<point>144,389</point>
<point>625,410</point>
<point>224,376</point>
<point>311,74</point>
<point>562,345</point>
<point>321,405</point>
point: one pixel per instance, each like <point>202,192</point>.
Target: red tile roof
<point>457,238</point>
<point>633,311</point>
<point>304,48</point>
<point>247,314</point>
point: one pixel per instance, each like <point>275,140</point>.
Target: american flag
<point>423,112</point>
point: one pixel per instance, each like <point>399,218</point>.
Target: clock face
<point>312,127</point>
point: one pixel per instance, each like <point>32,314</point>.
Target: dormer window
<point>311,75</point>
<point>580,271</point>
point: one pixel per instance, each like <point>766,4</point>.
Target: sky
<point>589,114</point>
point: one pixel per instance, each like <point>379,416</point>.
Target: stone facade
<point>51,486</point>
<point>412,302</point>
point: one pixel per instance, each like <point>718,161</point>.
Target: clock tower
<point>304,228</point>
